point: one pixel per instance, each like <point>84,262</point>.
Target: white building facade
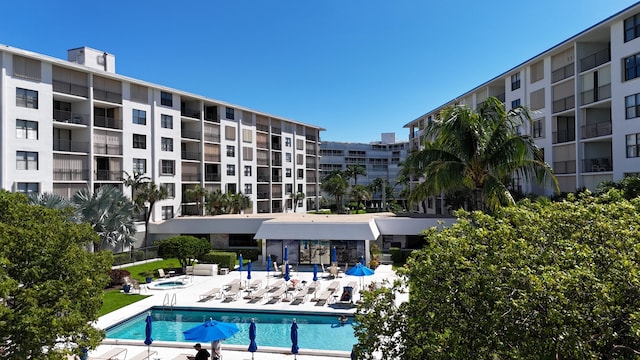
<point>584,94</point>
<point>69,125</point>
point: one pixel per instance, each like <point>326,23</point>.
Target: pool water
<point>320,332</point>
<point>168,285</point>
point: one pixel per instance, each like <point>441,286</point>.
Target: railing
<point>106,122</point>
<point>597,164</point>
<point>276,194</point>
<point>70,117</point>
<point>500,97</point>
<point>211,177</point>
<point>311,164</point>
<point>212,157</point>
<point>263,179</point>
<point>262,161</point>
<point>262,195</point>
<point>108,175</point>
<point>598,129</point>
<point>190,155</point>
<point>276,178</point>
<point>191,177</point>
<point>70,175</point>
<point>211,116</point>
<point>71,89</point>
<point>70,145</point>
<point>311,137</point>
<point>107,149</point>
<point>276,130</point>
<point>191,134</point>
<point>276,162</point>
<point>263,128</point>
<point>212,137</point>
<point>594,60</point>
<point>562,73</point>
<point>276,146</point>
<point>564,167</point>
<point>311,151</point>
<point>105,95</point>
<point>190,113</point>
<point>262,145</point>
<point>597,94</point>
<point>563,136</point>
<point>564,104</point>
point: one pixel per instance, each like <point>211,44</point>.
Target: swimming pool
<point>168,285</point>
<point>320,332</point>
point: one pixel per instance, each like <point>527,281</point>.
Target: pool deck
<point>190,296</point>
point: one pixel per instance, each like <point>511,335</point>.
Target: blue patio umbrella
<point>360,271</point>
<point>315,272</point>
<point>286,254</point>
<point>147,332</point>
<point>294,338</point>
<point>248,272</point>
<point>253,347</point>
<point>211,331</point>
<point>286,272</point>
<point>268,267</point>
<point>334,255</point>
<point>362,260</point>
<point>240,267</point>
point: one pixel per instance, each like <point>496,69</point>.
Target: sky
<point>357,68</point>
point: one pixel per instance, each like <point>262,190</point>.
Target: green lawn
<point>138,271</point>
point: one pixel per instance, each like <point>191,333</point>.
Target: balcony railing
<point>107,149</point>
<point>105,95</point>
<point>598,129</point>
<point>70,145</point>
<point>276,178</point>
<point>261,161</point>
<point>190,113</point>
<point>563,136</point>
<point>276,130</point>
<point>311,151</point>
<point>276,194</point>
<point>212,157</point>
<point>564,167</point>
<point>108,175</point>
<point>191,177</point>
<point>564,104</point>
<point>106,122</point>
<point>262,145</point>
<point>562,73</point>
<point>70,117</point>
<point>594,60</point>
<point>276,162</point>
<point>597,94</point>
<point>191,134</point>
<point>70,175</point>
<point>262,127</point>
<point>276,146</point>
<point>597,164</point>
<point>190,155</point>
<point>262,195</point>
<point>71,89</point>
<point>212,137</point>
<point>211,177</point>
<point>311,164</point>
<point>311,137</point>
<point>263,179</point>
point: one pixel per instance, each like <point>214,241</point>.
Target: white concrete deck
<point>190,297</point>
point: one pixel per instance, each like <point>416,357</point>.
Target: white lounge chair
<point>232,294</point>
<point>112,354</point>
<point>257,295</point>
<point>145,355</point>
<point>276,285</point>
<point>333,286</point>
<point>255,284</point>
<point>232,283</point>
<point>213,293</point>
<point>276,296</point>
<point>323,297</point>
<point>162,274</point>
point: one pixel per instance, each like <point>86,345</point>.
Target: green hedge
<point>247,254</point>
<point>399,256</point>
<point>224,259</point>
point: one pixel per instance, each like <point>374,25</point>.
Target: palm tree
<point>379,185</point>
<point>109,212</point>
<point>477,151</point>
<point>336,184</point>
<point>360,193</point>
<point>135,181</point>
<point>216,202</point>
<point>150,194</point>
<point>238,202</point>
<point>198,193</point>
<point>49,200</point>
<point>353,171</point>
<point>299,196</point>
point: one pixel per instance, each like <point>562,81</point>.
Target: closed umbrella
<point>147,333</point>
<point>334,255</point>
<point>286,254</point>
<point>294,338</point>
<point>210,331</point>
<point>315,272</point>
<point>248,273</point>
<point>268,267</point>
<point>362,260</point>
<point>240,267</point>
<point>253,347</point>
<point>286,272</point>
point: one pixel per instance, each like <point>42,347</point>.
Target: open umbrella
<point>294,338</point>
<point>360,271</point>
<point>211,331</point>
<point>147,333</point>
<point>334,255</point>
<point>268,267</point>
<point>240,267</point>
<point>253,347</point>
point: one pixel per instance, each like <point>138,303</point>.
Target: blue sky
<point>354,67</point>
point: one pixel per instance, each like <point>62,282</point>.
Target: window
<point>139,166</point>
<point>287,142</point>
<point>28,187</point>
<point>247,135</point>
<point>632,104</point>
<point>26,129</point>
<point>231,151</point>
<point>167,167</point>
<point>166,144</point>
<point>515,103</point>
<point>26,160</point>
<point>287,172</point>
<point>632,28</point>
<point>299,188</point>
<point>26,98</point>
<point>166,98</point>
<point>139,117</point>
<point>538,128</point>
<point>515,81</point>
<point>248,189</point>
<point>26,68</point>
<point>287,157</point>
<point>139,141</point>
<point>632,67</point>
<point>288,189</point>
<point>171,189</point>
<point>299,144</point>
<point>230,113</point>
<point>166,121</point>
<point>300,173</point>
<point>537,71</point>
<point>167,212</point>
<point>231,188</point>
<point>231,170</point>
<point>633,145</point>
<point>229,132</point>
<point>247,153</point>
<point>300,159</point>
<point>247,170</point>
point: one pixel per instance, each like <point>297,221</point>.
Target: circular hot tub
<point>168,285</point>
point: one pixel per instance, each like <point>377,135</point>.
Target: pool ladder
<point>169,301</point>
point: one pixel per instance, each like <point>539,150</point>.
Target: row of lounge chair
<point>119,354</point>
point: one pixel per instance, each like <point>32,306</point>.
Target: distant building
<point>381,159</point>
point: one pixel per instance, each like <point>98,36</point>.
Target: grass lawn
<point>114,300</point>
<point>138,271</point>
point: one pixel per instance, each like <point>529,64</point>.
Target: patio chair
<point>213,293</point>
<point>112,354</point>
<point>333,286</point>
<point>347,294</point>
<point>232,294</point>
<point>323,297</point>
<point>162,274</point>
<point>277,295</point>
<point>255,284</point>
<point>145,355</point>
<point>276,285</point>
<point>257,295</point>
<point>301,296</point>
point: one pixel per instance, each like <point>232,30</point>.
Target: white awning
<point>319,228</point>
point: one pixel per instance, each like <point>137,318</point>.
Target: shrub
<point>396,255</point>
<point>117,277</point>
<point>224,259</point>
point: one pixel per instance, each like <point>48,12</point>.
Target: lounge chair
<point>276,285</point>
<point>145,355</point>
<point>276,296</point>
<point>347,294</point>
<point>323,297</point>
<point>232,283</point>
<point>301,296</point>
<point>213,293</point>
<point>334,271</point>
<point>333,286</point>
<point>112,354</point>
<point>255,284</point>
<point>232,294</point>
<point>257,295</point>
<point>162,274</point>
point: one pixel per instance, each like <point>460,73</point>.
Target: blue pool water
<point>321,332</point>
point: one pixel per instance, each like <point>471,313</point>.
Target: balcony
<point>212,157</point>
<point>598,129</point>
<point>262,145</point>
<point>564,167</point>
<point>195,114</point>
<point>212,137</point>
<point>597,164</point>
<point>276,178</point>
<point>106,122</point>
<point>190,155</point>
<point>108,175</point>
<point>311,138</point>
<point>276,194</point>
<point>562,73</point>
<point>276,146</point>
<point>595,60</point>
<point>70,145</point>
<point>262,195</point>
<point>191,177</point>
<point>311,151</point>
<point>262,161</point>
<point>262,127</point>
<point>108,96</point>
<point>70,117</point>
<point>211,177</point>
<point>190,134</point>
<point>597,94</point>
<point>263,179</point>
<point>70,175</point>
<point>107,149</point>
<point>71,89</point>
<point>276,130</point>
<point>563,136</point>
<point>564,104</point>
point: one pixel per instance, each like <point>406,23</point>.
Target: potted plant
<point>126,288</point>
<point>149,276</point>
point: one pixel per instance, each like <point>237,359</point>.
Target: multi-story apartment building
<point>381,159</point>
<point>72,124</point>
<point>584,94</point>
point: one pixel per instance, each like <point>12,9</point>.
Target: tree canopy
<point>542,280</point>
<point>184,247</point>
<point>50,286</point>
